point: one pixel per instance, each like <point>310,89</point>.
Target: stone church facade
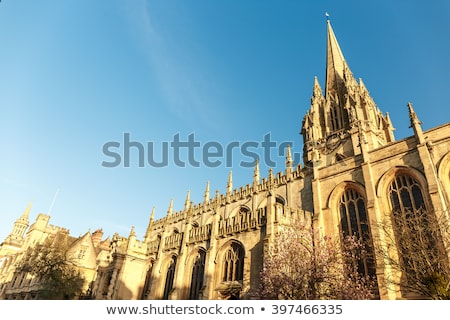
<point>355,174</point>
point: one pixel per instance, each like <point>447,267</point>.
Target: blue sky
<point>75,75</point>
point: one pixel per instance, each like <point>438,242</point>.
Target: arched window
<point>169,278</point>
<point>338,117</point>
<point>406,195</point>
<point>233,263</point>
<point>413,226</point>
<point>198,272</point>
<point>354,222</point>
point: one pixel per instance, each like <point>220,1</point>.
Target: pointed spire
<point>25,215</point>
<point>271,174</point>
<point>256,175</point>
<point>150,224</point>
<point>170,210</point>
<point>187,202</point>
<point>335,62</point>
<point>390,128</point>
<point>388,119</point>
<point>152,215</point>
<point>132,232</point>
<point>230,182</point>
<point>190,212</point>
<point>362,86</point>
<point>317,89</point>
<point>288,156</point>
<point>412,115</point>
<point>415,124</point>
<point>289,161</point>
<point>206,196</point>
<point>20,226</point>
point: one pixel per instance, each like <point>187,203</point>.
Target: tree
<point>299,268</point>
<point>57,277</point>
<point>417,247</point>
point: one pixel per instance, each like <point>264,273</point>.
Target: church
<point>354,176</point>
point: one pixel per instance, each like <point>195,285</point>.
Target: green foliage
<point>438,286</point>
<point>57,277</point>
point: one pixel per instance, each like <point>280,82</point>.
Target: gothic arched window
<point>198,272</point>
<point>354,223</point>
<point>338,117</point>
<point>406,195</point>
<point>412,224</point>
<point>169,278</point>
<point>233,263</point>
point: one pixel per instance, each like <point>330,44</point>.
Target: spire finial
<point>26,213</point>
<point>150,224</point>
<point>187,202</point>
<point>256,174</point>
<point>170,210</point>
<point>289,161</point>
<point>412,115</point>
<point>230,182</point>
<point>288,155</point>
<point>132,232</point>
<point>207,195</point>
<point>328,16</point>
<point>152,215</point>
<point>415,124</point>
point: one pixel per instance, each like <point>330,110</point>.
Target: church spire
<point>337,69</point>
<point>20,226</point>
<point>331,127</point>
<point>26,214</point>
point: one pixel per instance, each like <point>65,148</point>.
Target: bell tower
<point>343,117</point>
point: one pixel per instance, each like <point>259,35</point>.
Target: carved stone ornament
<point>331,143</point>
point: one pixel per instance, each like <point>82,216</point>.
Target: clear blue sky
<point>75,75</point>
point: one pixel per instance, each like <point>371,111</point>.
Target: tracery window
<point>412,224</point>
<point>354,222</point>
<point>338,117</point>
<point>169,278</point>
<point>233,263</point>
<point>198,272</point>
<point>406,195</point>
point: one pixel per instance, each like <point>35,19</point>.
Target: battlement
<point>238,194</point>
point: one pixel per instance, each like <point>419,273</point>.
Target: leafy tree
<point>298,268</point>
<point>57,277</point>
<point>417,247</point>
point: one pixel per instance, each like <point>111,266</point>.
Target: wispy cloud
<point>187,87</point>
